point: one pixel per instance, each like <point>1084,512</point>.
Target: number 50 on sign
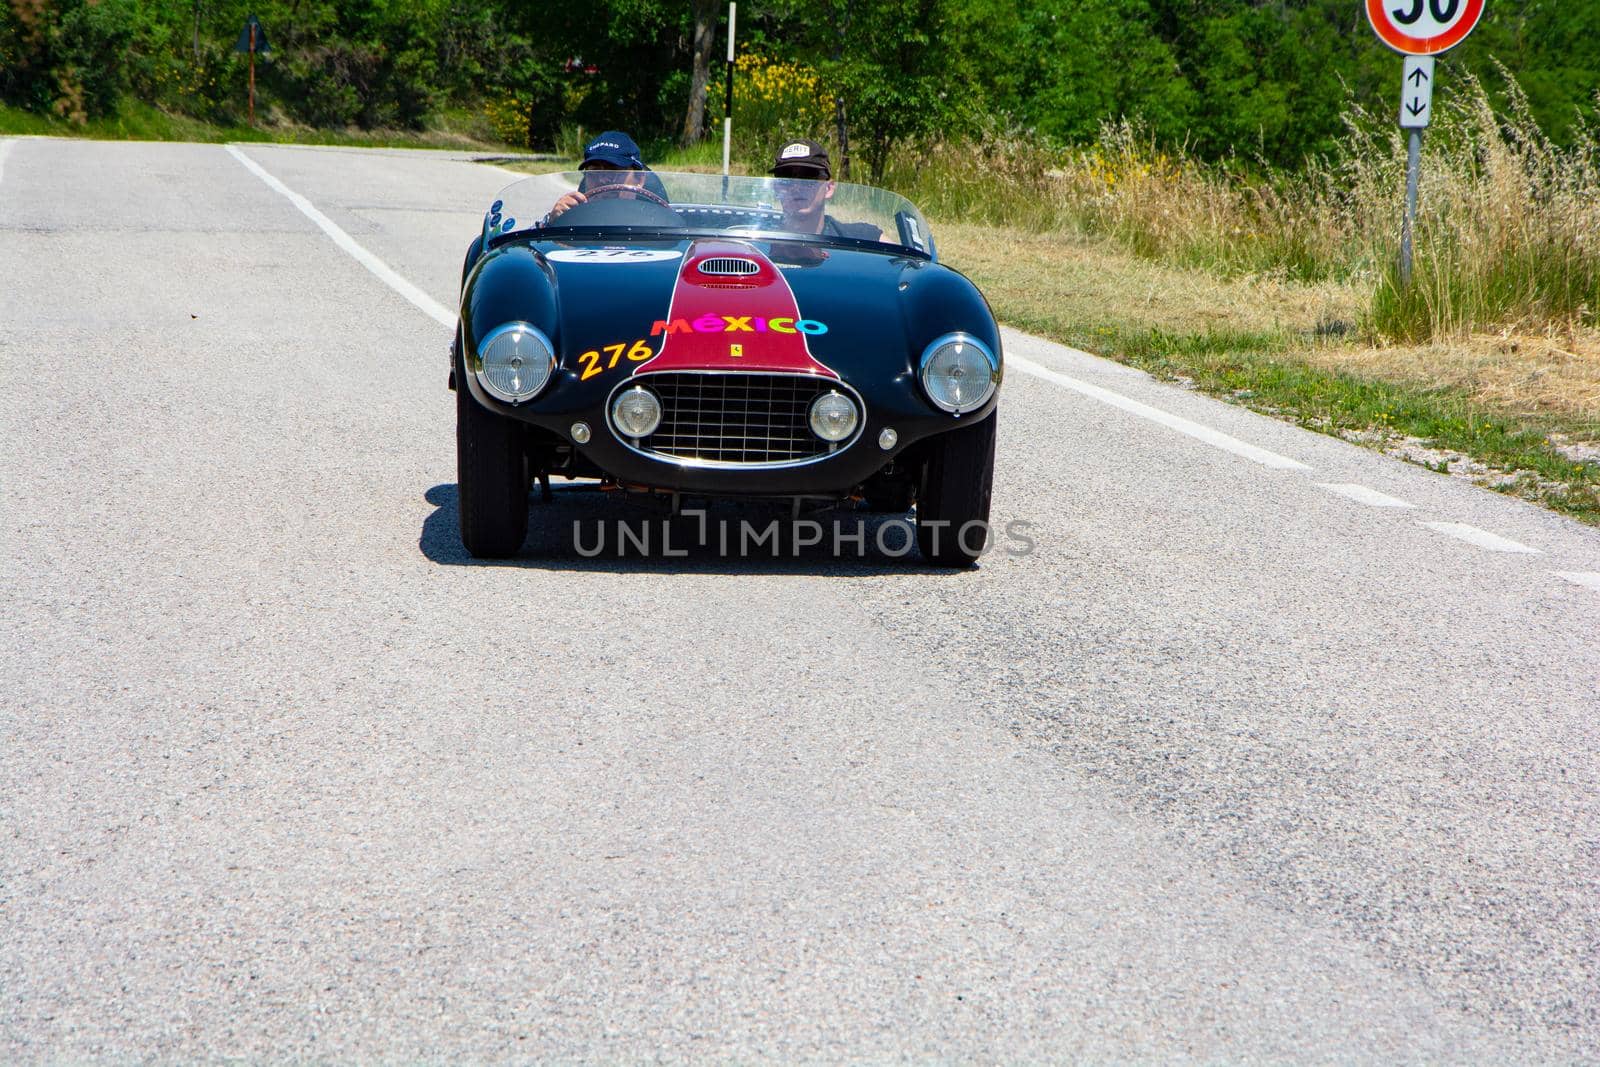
<point>1423,27</point>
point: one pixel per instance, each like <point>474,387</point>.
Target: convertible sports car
<point>697,336</point>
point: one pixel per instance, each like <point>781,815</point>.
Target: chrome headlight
<point>636,412</point>
<point>515,361</point>
<point>959,373</point>
<point>833,416</point>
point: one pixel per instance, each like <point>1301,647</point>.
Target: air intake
<point>728,267</point>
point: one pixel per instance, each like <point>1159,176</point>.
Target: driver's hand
<point>569,200</point>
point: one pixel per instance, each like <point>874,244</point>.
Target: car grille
<point>751,419</point>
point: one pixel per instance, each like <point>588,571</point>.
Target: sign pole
<point>727,101</point>
<point>1416,109</point>
<point>1420,32</point>
<point>252,39</point>
<point>1413,172</point>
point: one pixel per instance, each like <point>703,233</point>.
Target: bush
<point>66,57</point>
<point>774,101</point>
<point>323,85</point>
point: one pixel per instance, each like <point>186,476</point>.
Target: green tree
<point>892,65</point>
<point>67,56</point>
<point>1092,62</point>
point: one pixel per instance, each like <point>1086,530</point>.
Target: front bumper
<point>900,406</point>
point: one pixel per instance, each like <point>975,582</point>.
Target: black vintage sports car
<point>696,335</point>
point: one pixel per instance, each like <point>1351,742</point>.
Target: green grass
<point>141,122</point>
<point>1453,290</point>
<point>702,158</point>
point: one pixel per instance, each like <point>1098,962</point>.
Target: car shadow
<point>584,528</point>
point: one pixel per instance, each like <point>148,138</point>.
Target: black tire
<point>957,480</point>
<point>492,477</point>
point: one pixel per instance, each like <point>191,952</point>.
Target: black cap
<point>613,147</point>
<point>803,155</point>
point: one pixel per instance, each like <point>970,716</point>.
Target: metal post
<point>727,101</point>
<point>1413,172</point>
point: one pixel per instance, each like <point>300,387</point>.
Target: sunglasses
<point>809,175</point>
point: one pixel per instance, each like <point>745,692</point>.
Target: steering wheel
<point>618,189</point>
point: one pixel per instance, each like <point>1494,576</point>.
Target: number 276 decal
<point>595,360</point>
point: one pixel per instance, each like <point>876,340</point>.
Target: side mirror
<point>913,234</point>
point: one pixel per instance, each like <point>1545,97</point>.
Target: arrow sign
<point>1416,92</point>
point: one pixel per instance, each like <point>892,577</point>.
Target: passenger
<point>804,199</point>
<point>610,160</point>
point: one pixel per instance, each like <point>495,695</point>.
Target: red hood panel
<point>734,322</point>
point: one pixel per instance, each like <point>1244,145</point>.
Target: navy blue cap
<point>613,147</point>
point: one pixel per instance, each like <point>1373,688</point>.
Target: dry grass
<point>1508,230</point>
<point>1516,411</point>
<point>1083,286</point>
<point>1507,235</point>
<point>1096,282</point>
<point>1526,374</point>
<point>1161,205</point>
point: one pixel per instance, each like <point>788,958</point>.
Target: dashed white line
<point>385,273</point>
<point>1214,438</point>
<point>1589,579</point>
<point>1363,495</point>
<point>1482,538</point>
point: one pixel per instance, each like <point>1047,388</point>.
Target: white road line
<point>430,306</point>
<point>1214,438</point>
<point>1591,579</point>
<point>1362,494</point>
<point>1482,538</point>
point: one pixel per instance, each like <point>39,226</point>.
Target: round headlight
<point>516,360</point>
<point>833,416</point>
<point>959,373</point>
<point>636,412</point>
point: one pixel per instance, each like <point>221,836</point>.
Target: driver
<point>610,160</point>
<point>805,194</point>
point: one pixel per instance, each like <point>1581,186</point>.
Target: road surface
<point>1236,758</point>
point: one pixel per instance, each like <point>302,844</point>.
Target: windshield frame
<point>539,189</point>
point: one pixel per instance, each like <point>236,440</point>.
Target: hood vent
<point>729,267</point>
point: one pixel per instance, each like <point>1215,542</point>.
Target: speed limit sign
<point>1423,27</point>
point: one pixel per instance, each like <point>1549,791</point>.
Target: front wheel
<point>953,505</point>
<point>492,475</point>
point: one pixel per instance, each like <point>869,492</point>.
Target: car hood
<point>721,304</point>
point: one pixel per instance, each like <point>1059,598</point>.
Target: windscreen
<point>661,202</point>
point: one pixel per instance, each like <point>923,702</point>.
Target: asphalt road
<point>1229,766</point>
